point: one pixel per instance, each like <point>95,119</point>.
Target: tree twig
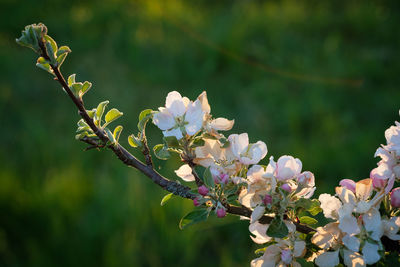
<point>147,169</point>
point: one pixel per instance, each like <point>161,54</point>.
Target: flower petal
<point>328,259</point>
<point>326,236</point>
<point>195,117</point>
<point>351,242</point>
<point>257,213</point>
<point>348,224</point>
<point>346,195</point>
<point>287,168</point>
<point>175,104</point>
<point>259,230</point>
<point>204,102</point>
<point>239,143</point>
<point>299,249</point>
<point>163,119</point>
<point>185,172</point>
<point>174,132</point>
<point>370,253</point>
<point>364,188</point>
<point>373,224</point>
<point>353,259</point>
<point>330,205</point>
<point>222,124</point>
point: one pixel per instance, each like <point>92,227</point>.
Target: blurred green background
<point>314,79</point>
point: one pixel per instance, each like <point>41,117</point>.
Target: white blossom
<point>287,168</point>
<point>180,116</point>
<point>259,185</point>
<point>358,237</point>
<point>391,227</point>
<point>245,152</point>
<point>212,126</point>
<point>219,159</point>
<point>330,205</point>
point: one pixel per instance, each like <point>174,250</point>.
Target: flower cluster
<point>363,212</point>
<point>283,252</point>
<point>357,229</point>
<point>278,194</point>
<point>181,117</point>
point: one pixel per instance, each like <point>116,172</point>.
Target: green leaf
<point>100,110</point>
<point>232,199</point>
<point>51,53</point>
<point>76,88</point>
<point>198,141</point>
<point>308,220</point>
<point>171,141</point>
<point>225,142</point>
<point>312,206</point>
<point>30,36</point>
<point>60,59</point>
<point>166,198</point>
<point>112,115</point>
<point>52,43</point>
<point>62,50</point>
<point>91,113</point>
<point>117,132</point>
<point>277,228</point>
<point>134,141</point>
<point>315,207</point>
<point>110,135</point>
<point>82,123</point>
<point>303,203</point>
<point>81,135</point>
<point>231,190</point>
<point>193,217</point>
<point>161,152</point>
<point>144,117</point>
<point>85,87</point>
<point>71,79</point>
<point>208,179</point>
<point>44,64</point>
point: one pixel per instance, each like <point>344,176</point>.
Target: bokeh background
<point>314,79</point>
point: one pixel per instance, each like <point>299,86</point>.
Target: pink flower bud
<point>216,180</point>
<point>196,202</point>
<point>286,256</point>
<point>267,200</point>
<point>221,213</point>
<point>348,184</point>
<point>223,177</point>
<point>203,190</point>
<point>286,187</point>
<point>306,178</point>
<point>395,197</point>
<point>379,183</point>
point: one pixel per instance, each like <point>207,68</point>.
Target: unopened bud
<point>395,197</point>
<point>221,213</point>
<point>203,190</point>
<point>286,256</point>
<point>379,183</point>
<point>286,187</point>
<point>306,178</point>
<point>223,177</point>
<point>196,202</point>
<point>267,200</point>
<point>348,184</point>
